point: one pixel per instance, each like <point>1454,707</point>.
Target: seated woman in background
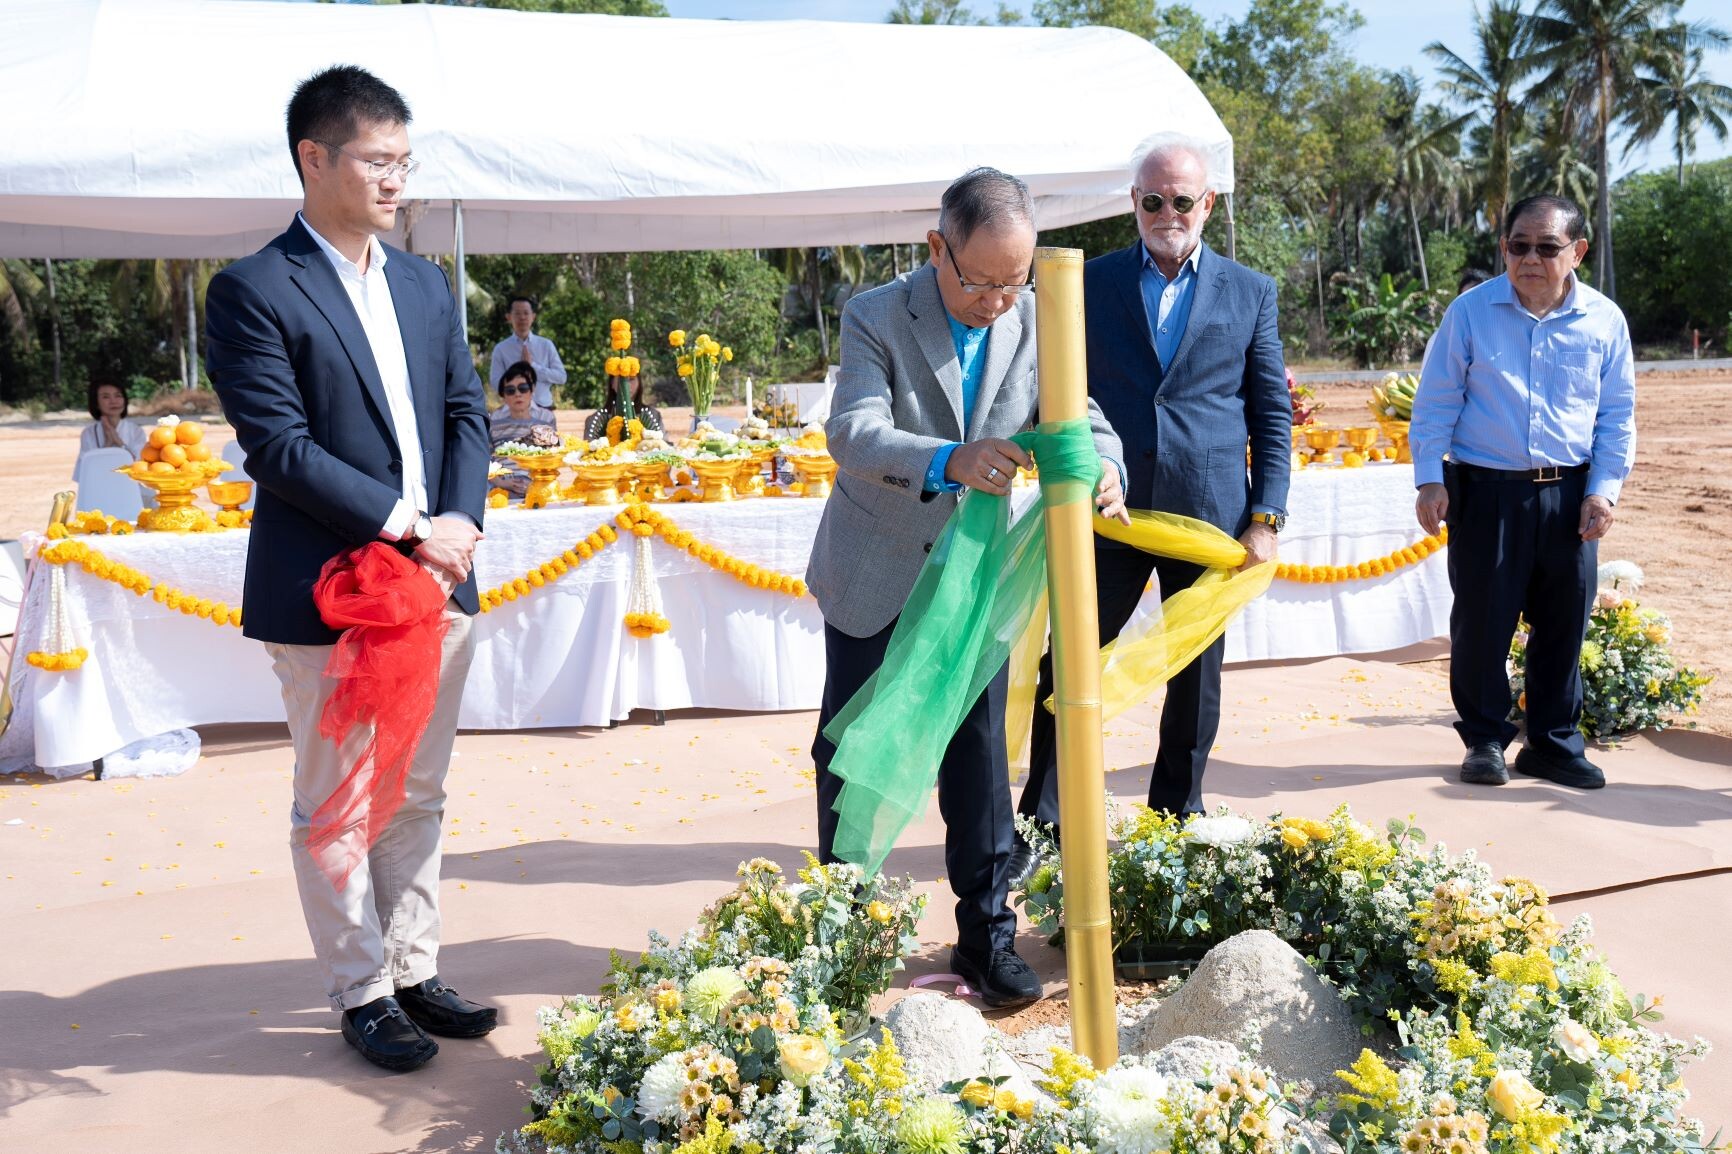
<point>109,428</point>
<point>513,420</point>
<point>596,426</point>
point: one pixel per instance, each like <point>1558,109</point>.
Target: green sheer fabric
<point>970,605</point>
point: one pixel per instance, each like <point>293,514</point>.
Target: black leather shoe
<point>1004,981</point>
<point>1575,772</point>
<point>386,1037</point>
<point>1022,865</point>
<point>1484,765</point>
<point>436,1008</point>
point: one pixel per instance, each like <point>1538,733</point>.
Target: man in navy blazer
<point>1184,358</point>
<point>348,380</point>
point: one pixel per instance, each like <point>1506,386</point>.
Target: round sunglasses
<point>1153,201</point>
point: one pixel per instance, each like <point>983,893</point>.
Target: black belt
<point>1543,476</point>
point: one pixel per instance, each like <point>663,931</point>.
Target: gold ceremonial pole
<point>1070,575</point>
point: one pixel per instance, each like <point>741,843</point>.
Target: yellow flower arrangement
<point>700,368</point>
<point>58,662</point>
<point>1332,574</point>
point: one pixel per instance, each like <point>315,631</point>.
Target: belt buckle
<point>1548,474</point>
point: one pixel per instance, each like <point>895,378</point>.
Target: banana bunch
<point>1394,397</point>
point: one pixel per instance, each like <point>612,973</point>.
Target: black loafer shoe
<point>1021,866</point>
<point>1575,772</point>
<point>436,1008</point>
<point>386,1037</point>
<point>1004,981</point>
<point>1484,765</point>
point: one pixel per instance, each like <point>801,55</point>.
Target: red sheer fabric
<point>386,665</point>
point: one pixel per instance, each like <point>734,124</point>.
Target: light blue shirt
<point>1504,389</point>
<point>1167,303</point>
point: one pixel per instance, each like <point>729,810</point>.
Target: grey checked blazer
<point>898,400</point>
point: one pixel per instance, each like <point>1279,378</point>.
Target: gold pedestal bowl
<point>1322,442</point>
<point>715,478</point>
<point>816,474</point>
<point>174,512</point>
<point>649,481</point>
<point>1359,442</point>
<point>598,482</point>
<point>229,496</point>
<point>1396,432</point>
<point>543,470</point>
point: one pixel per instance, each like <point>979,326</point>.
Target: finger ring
<point>992,473</point>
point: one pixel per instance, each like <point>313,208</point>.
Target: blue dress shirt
<point>1167,303</point>
<point>1504,389</point>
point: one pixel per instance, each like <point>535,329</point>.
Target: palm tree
<point>1489,88</point>
<point>1554,158</point>
<point>173,292</point>
<point>803,269</point>
<point>1426,142</point>
<point>1592,51</point>
<point>1679,90</point>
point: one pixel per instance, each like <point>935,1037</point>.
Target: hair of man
<point>512,303</point>
<point>332,106</point>
<point>95,405</point>
<point>520,371</point>
<point>1575,222</point>
<point>983,198</point>
<point>1471,278</point>
<point>1163,143</point>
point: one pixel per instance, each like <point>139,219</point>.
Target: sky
<point>1393,36</point>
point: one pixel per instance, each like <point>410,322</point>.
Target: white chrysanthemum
<point>1127,1105</point>
<point>1222,831</point>
<point>711,991</point>
<point>1620,575</point>
<point>658,1095</point>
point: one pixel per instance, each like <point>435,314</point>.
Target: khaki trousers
<point>382,932</point>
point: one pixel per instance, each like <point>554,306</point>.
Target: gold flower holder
<point>816,474</point>
<point>598,482</point>
<point>1396,432</point>
<point>1322,442</point>
<point>229,496</point>
<point>715,478</point>
<point>543,470</point>
<point>1359,442</point>
<point>649,480</point>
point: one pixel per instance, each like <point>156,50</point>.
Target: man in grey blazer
<point>1184,357</point>
<point>937,371</point>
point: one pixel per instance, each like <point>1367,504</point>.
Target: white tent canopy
<point>155,129</point>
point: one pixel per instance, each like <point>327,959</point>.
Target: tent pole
<point>461,276</point>
<point>191,329</point>
<point>1232,233</point>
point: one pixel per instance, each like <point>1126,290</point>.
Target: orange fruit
<point>189,432</point>
<point>141,468</point>
<point>174,455</point>
<point>162,467</point>
<point>198,452</point>
<point>150,454</point>
<point>162,435</point>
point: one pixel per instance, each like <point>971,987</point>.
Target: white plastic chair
<point>100,487</point>
<point>237,456</point>
<point>11,586</point>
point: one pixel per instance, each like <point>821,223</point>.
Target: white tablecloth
<point>561,657</point>
<point>1338,516</point>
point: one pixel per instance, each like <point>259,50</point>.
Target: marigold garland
<point>58,662</point>
<point>641,520</point>
<point>70,552</point>
<point>1331,574</point>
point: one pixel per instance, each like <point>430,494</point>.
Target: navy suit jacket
<point>1185,428</point>
<point>297,380</point>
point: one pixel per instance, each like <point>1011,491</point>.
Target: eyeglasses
<point>515,390</point>
<point>973,289</point>
<point>1520,248</point>
<point>378,169</point>
<point>1152,202</point>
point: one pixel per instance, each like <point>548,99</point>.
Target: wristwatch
<point>1275,521</point>
<point>420,529</point>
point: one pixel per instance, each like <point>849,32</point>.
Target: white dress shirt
<point>370,293</point>
<point>549,369</point>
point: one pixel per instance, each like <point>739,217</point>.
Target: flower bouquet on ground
<point>1630,680</point>
<point>700,366</point>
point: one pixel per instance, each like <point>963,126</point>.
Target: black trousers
<point>973,792</point>
<point>1515,550</point>
<point>1190,717</point>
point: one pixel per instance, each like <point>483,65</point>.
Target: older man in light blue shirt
<point>1530,394</point>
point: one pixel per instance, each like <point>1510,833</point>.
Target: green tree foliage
<point>1678,91</point>
<point>1674,254</point>
<point>931,12</point>
<point>1488,87</point>
<point>579,7</point>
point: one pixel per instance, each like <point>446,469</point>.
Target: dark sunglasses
<point>1152,202</point>
<point>1520,248</point>
<point>515,390</point>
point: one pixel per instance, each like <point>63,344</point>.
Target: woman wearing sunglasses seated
<point>513,419</point>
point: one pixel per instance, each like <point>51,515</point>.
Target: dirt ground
<point>1671,520</point>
